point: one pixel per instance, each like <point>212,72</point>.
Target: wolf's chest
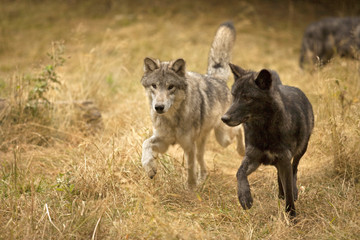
<point>269,158</point>
<point>268,144</point>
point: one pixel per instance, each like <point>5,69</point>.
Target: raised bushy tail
<point>220,51</point>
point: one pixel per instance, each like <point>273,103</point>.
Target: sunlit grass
<point>61,179</point>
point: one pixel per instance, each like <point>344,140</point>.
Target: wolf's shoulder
<point>291,93</point>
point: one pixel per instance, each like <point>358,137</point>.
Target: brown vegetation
<point>62,177</point>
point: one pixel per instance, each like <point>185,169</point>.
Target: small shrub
<point>29,108</point>
<point>344,117</point>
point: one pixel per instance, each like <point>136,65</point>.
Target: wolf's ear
<point>236,70</point>
<point>264,80</point>
<point>150,64</point>
<point>178,66</point>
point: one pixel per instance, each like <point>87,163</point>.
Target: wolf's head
<point>165,84</point>
<point>253,93</point>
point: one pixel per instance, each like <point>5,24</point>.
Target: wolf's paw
<point>245,199</point>
<point>292,214</point>
<point>202,177</point>
<point>150,169</point>
<point>151,173</point>
<point>191,184</point>
<point>281,195</point>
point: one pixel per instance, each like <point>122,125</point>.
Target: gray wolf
<point>330,36</point>
<point>278,121</point>
<point>186,106</point>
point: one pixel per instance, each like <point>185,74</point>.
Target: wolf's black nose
<point>159,108</point>
<point>225,118</point>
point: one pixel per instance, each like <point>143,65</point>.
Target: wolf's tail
<point>220,51</point>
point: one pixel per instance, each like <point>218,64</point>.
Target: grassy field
<point>66,174</point>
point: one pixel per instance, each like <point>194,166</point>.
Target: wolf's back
<point>220,51</point>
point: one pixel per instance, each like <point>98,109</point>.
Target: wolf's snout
<point>159,108</point>
<point>230,121</point>
<point>225,118</point>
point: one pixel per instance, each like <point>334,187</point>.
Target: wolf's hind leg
<point>281,194</point>
<point>190,157</point>
<point>200,149</point>
<point>295,164</point>
<point>285,173</point>
<point>224,134</point>
<point>150,149</point>
<point>240,146</point>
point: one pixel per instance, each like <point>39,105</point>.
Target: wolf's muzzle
<point>225,118</point>
<point>231,122</point>
<point>159,108</point>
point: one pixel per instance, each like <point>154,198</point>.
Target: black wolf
<point>278,121</point>
<point>330,36</point>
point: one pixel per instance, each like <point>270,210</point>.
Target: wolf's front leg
<point>247,167</point>
<point>150,148</point>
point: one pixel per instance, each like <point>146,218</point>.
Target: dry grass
<point>58,180</point>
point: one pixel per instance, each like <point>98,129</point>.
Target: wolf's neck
<point>271,117</point>
<point>167,119</point>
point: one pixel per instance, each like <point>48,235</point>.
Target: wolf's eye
<point>153,86</point>
<point>170,87</point>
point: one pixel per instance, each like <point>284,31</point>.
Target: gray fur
<point>330,36</point>
<point>220,51</point>
<point>186,106</point>
<point>278,121</point>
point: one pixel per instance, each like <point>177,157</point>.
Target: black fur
<point>278,121</point>
<point>330,36</point>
